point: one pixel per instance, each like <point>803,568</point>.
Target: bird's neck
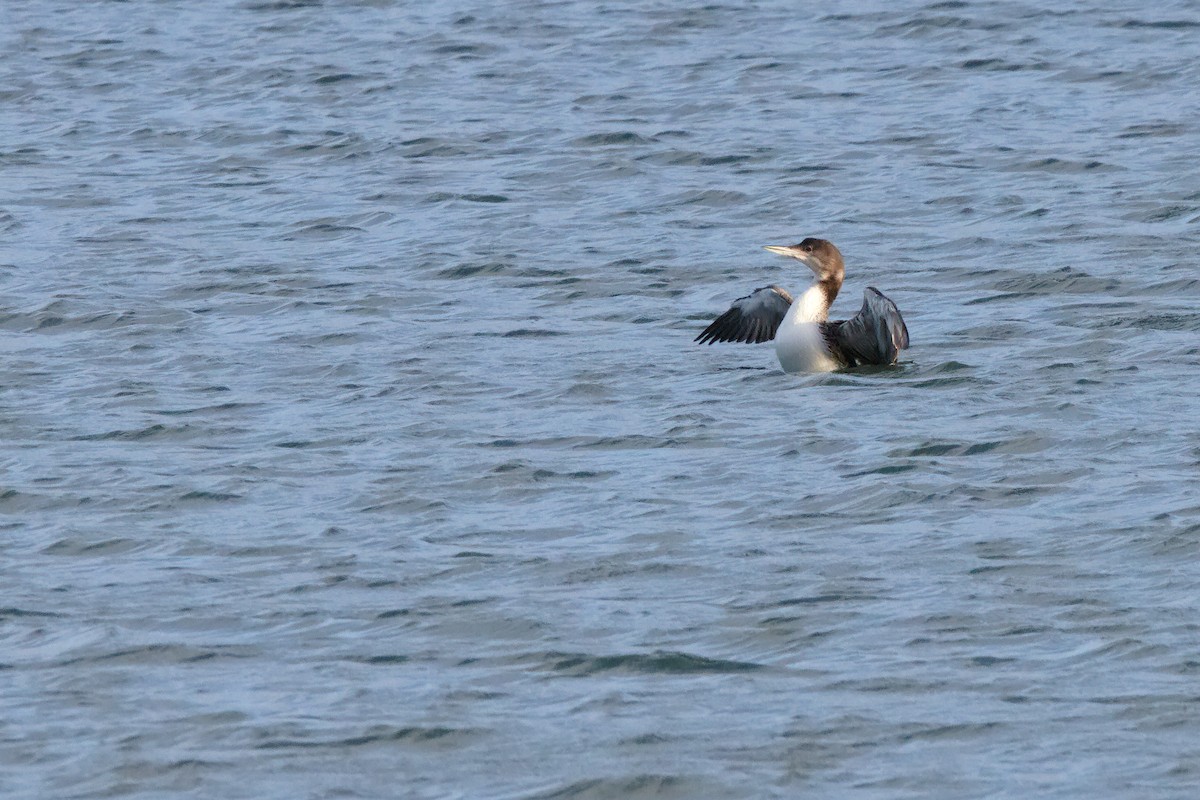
<point>815,302</point>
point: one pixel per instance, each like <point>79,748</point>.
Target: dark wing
<point>875,335</point>
<point>752,319</point>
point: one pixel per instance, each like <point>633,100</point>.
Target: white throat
<point>813,305</point>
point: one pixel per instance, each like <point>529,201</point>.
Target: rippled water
<point>355,444</point>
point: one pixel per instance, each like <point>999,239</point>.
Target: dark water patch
<point>438,149</point>
<point>886,686</point>
<point>466,50</point>
<point>1061,166</point>
<point>86,546</point>
<point>414,505</point>
<point>952,381</point>
<point>1166,24</point>
<point>647,739</point>
<point>544,442</point>
<point>952,732</point>
<point>472,601</point>
<point>269,551</point>
<point>162,654</point>
<point>56,318</point>
<point>421,141</point>
<point>579,474</point>
<point>1002,65</point>
<point>630,442</point>
<point>322,229</point>
<point>1027,630</point>
<point>866,374</point>
<point>337,77</point>
<point>994,332</point>
<point>636,787</point>
<point>1066,280</point>
<point>331,144</point>
<point>931,450</point>
<point>375,734</point>
<point>831,598</point>
<point>205,410</point>
<point>926,24</point>
<point>152,221</point>
<point>885,469</point>
<point>608,571</point>
<point>1142,130</point>
<point>1152,322</point>
<point>384,660</point>
<point>991,661</point>
<point>956,200</point>
<point>484,198</point>
<point>661,662</point>
<point>442,197</point>
<point>948,367</point>
<point>676,158</point>
<point>532,333</point>
<point>610,139</point>
<point>472,270</point>
<point>716,161</point>
<point>519,468</point>
<point>198,496</point>
<point>1019,445</point>
<point>809,94</point>
<point>17,502</point>
<point>1180,542</point>
<point>1167,213</point>
<point>591,99</point>
<point>394,613</point>
<point>280,5</point>
<point>626,263</point>
<point>13,612</point>
<point>714,198</point>
<point>765,66</point>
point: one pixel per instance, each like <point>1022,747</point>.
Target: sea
<point>355,444</point>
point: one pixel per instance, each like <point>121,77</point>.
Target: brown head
<point>819,255</point>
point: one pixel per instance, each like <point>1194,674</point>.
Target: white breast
<point>801,348</point>
<point>798,342</point>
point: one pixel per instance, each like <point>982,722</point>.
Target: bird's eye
<point>808,248</point>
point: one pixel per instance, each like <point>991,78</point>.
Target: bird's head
<point>819,255</point>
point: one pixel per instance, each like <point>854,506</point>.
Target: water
<point>355,444</point>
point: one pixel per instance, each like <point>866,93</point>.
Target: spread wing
<point>875,335</point>
<point>752,319</point>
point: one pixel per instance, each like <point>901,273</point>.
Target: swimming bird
<point>805,340</point>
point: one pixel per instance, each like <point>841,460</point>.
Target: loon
<point>804,340</point>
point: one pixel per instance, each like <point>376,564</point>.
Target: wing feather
<point>875,335</point>
<point>751,319</point>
